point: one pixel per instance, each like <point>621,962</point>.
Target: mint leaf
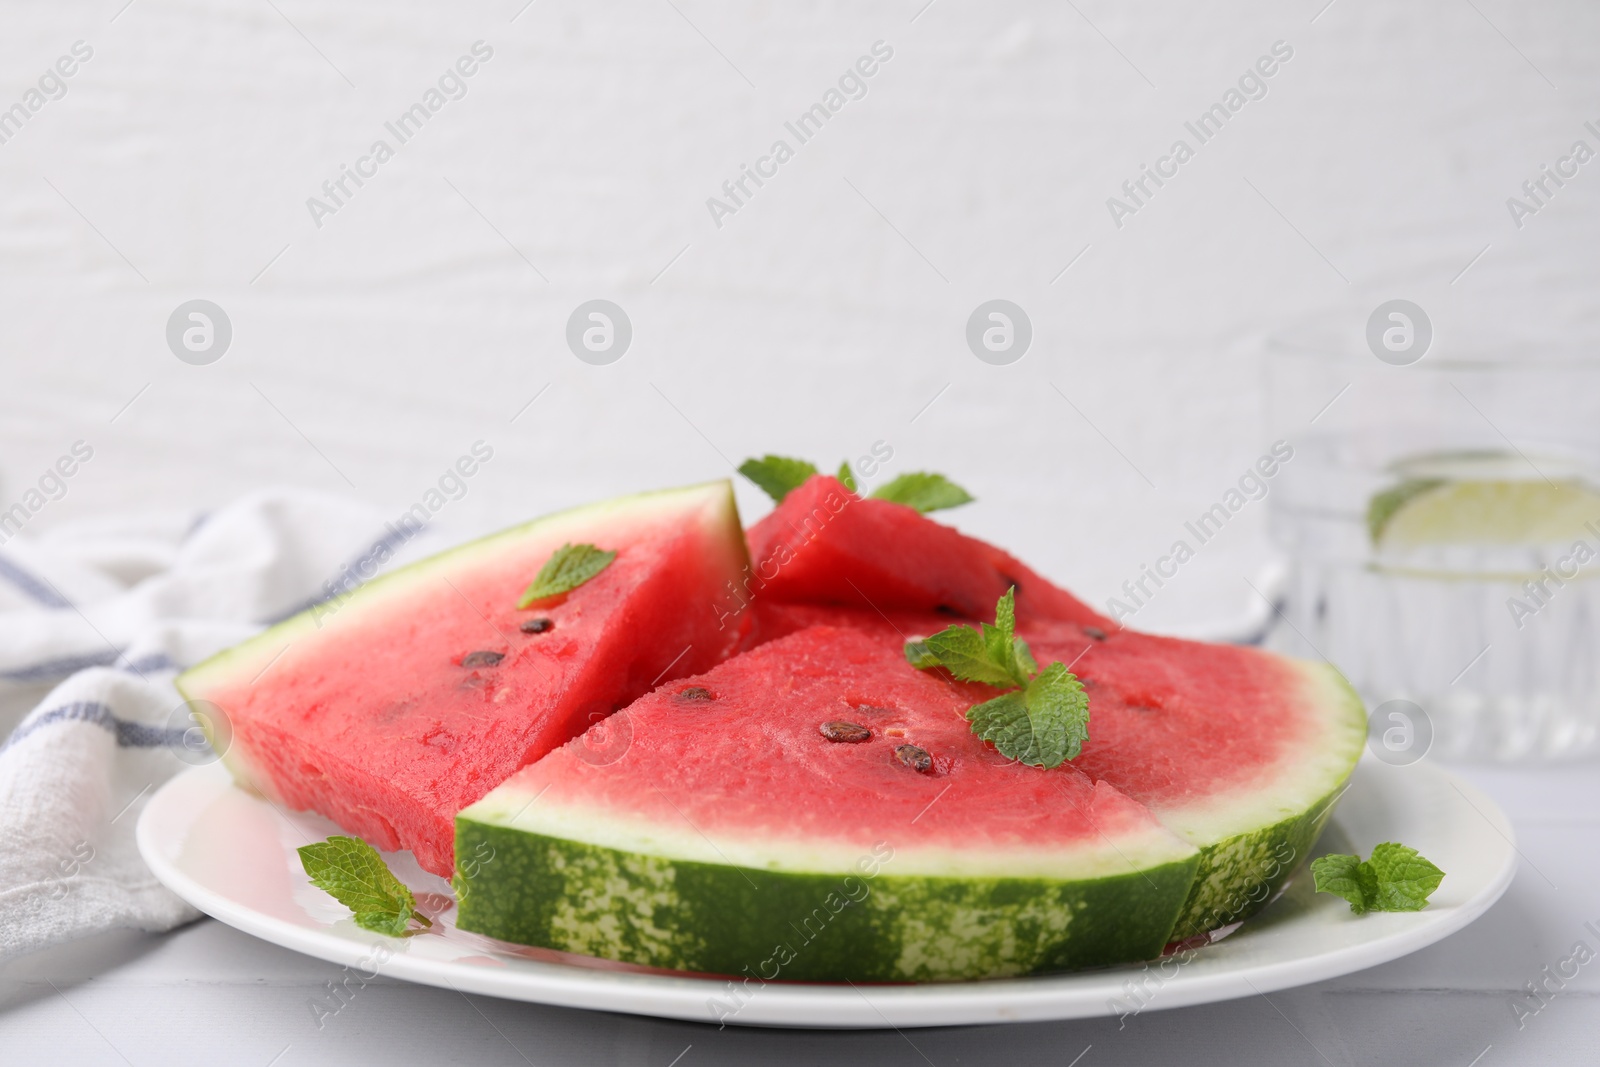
<point>1396,878</point>
<point>1005,613</point>
<point>997,646</point>
<point>1000,642</point>
<point>1043,721</point>
<point>1341,875</point>
<point>961,651</point>
<point>352,872</point>
<point>1405,879</point>
<point>569,567</point>
<point>1059,710</point>
<point>777,476</point>
<point>1044,724</point>
<point>1004,723</point>
<point>923,491</point>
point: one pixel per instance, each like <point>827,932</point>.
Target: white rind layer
<point>524,804</point>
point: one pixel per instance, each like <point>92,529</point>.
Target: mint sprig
<point>923,491</point>
<point>352,872</point>
<point>778,476</point>
<point>566,569</point>
<point>1395,878</point>
<point>1043,721</point>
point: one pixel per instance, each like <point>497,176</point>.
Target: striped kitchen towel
<point>96,619</point>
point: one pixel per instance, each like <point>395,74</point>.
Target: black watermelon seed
<point>536,626</point>
<point>1095,632</point>
<point>695,692</point>
<point>848,733</point>
<point>915,758</point>
<point>482,659</point>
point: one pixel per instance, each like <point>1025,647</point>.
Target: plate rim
<point>799,1005</point>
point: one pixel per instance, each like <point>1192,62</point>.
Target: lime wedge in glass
<point>1435,511</point>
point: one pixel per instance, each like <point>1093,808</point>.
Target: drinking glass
<point>1441,514</point>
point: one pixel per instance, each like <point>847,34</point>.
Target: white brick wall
<point>406,328</point>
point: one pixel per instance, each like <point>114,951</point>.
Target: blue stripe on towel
<point>37,588</point>
<point>52,670</point>
<point>128,734</point>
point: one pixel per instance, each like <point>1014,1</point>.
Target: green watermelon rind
<point>841,925</point>
<point>251,657</point>
<point>1238,877</point>
<point>1244,872</point>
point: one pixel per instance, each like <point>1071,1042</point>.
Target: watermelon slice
<point>824,544</point>
<point>424,690</point>
<point>817,809</point>
<point>1240,752</point>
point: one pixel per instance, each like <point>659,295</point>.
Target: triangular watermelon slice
<point>824,544</point>
<point>428,687</point>
<point>817,809</point>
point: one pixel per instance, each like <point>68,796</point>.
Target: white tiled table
<point>207,994</point>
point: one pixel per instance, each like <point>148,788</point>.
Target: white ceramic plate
<point>232,855</point>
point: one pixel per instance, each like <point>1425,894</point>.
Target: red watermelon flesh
<point>388,713</point>
<point>1173,722</point>
<point>1182,724</point>
<point>851,793</point>
<point>771,619</point>
<point>824,544</point>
